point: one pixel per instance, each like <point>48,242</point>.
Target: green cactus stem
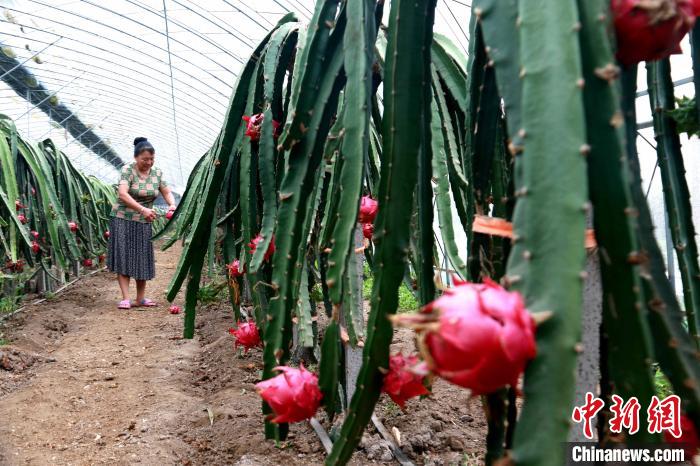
<point>548,253</point>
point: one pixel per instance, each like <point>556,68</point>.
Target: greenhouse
<point>349,232</point>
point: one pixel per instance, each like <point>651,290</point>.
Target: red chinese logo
<point>624,415</point>
<point>587,412</point>
<point>663,415</point>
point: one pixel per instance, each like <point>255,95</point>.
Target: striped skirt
<point>130,250</point>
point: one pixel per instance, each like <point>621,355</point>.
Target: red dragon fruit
<point>34,234</point>
<point>169,214</point>
<point>254,126</point>
<point>234,269</point>
<point>175,309</point>
<point>23,219</point>
<point>401,383</point>
<point>650,30</point>
<point>368,210</point>
<point>106,234</point>
<point>689,438</point>
<point>367,230</point>
<point>246,335</point>
<point>293,395</point>
<point>257,240</point>
<point>101,258</point>
<point>87,262</point>
<point>478,336</point>
<point>73,226</point>
<point>19,206</point>
<point>35,247</point>
<point>17,267</point>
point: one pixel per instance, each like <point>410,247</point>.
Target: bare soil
<point>84,383</point>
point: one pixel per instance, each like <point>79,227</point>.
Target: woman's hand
<point>148,214</point>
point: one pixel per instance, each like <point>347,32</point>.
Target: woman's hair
<point>141,144</point>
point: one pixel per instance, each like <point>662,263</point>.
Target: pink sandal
<point>125,304</point>
<point>145,302</point>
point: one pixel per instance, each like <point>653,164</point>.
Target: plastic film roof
<point>163,69</point>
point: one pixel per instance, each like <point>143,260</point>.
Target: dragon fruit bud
<point>367,230</point>
<point>23,219</point>
<point>478,336</point>
<point>648,31</point>
<point>106,234</point>
<point>35,234</point>
<point>246,335</point>
<point>368,210</point>
<point>293,395</point>
<point>35,247</point>
<point>401,383</point>
<point>234,269</point>
<point>175,309</point>
<point>257,240</point>
<point>87,262</point>
<point>73,226</point>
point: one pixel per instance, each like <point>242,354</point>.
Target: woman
<point>130,251</point>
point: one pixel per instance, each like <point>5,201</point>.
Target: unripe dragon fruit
<point>293,395</point>
<point>257,240</point>
<point>650,30</point>
<point>401,382</point>
<point>246,334</point>
<point>478,336</point>
<point>368,210</point>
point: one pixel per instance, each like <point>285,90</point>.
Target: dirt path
<point>89,384</point>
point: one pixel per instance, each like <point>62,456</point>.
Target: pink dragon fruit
<point>368,210</point>
<point>257,240</point>
<point>293,395</point>
<point>254,126</point>
<point>649,30</point>
<point>478,336</point>
<point>246,334</point>
<point>401,383</point>
<point>234,269</point>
